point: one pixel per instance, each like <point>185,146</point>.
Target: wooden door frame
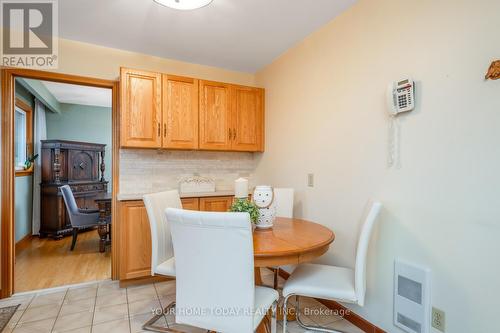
<point>7,246</point>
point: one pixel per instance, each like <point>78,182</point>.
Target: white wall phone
<point>400,98</point>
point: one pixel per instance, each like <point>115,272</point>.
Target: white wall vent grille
<point>411,297</point>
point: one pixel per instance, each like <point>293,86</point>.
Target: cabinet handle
<point>234,134</point>
<point>165,130</point>
<point>159,129</point>
<point>229,134</point>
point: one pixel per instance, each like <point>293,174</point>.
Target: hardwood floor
<point>46,263</point>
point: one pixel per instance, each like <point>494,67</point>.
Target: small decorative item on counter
<point>28,164</point>
<point>263,196</point>
<point>241,188</point>
<point>197,184</point>
<point>245,205</point>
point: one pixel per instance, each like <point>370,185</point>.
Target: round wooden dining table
<point>289,242</point>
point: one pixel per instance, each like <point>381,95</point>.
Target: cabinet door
<point>190,203</point>
<point>180,112</point>
<point>140,122</point>
<point>84,165</point>
<point>135,241</point>
<point>215,204</point>
<point>215,117</point>
<point>247,118</point>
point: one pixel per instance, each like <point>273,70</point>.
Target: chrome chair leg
<point>274,319</point>
<point>150,324</point>
<point>307,327</point>
<point>285,312</point>
<point>276,273</point>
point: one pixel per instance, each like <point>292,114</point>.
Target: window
<point>23,137</point>
<point>20,150</point>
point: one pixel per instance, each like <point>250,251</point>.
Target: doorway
<point>50,256</point>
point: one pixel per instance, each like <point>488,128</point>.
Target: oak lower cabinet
<point>215,204</point>
<point>135,234</point>
<point>135,241</point>
<point>191,203</point>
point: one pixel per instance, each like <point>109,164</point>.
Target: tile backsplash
<point>145,171</point>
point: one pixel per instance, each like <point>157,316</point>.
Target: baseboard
<point>23,242</point>
<point>59,288</point>
<point>143,280</point>
<point>350,316</point>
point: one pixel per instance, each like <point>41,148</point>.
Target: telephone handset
<point>401,96</point>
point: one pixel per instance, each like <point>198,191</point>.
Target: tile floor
<point>104,307</point>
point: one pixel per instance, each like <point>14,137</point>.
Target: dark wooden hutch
<point>78,164</point>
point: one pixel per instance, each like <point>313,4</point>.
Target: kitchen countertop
<point>138,196</point>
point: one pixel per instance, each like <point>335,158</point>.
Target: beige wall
<point>96,61</point>
<point>326,114</point>
<point>102,62</point>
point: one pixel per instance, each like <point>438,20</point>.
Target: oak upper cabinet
<point>140,109</point>
<point>216,204</point>
<point>180,112</point>
<point>174,112</point>
<point>134,240</point>
<point>215,116</point>
<point>247,111</point>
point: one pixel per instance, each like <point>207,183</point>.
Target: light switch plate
<point>310,179</point>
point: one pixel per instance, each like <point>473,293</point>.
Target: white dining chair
<point>215,288</point>
<point>162,254</point>
<point>283,197</point>
<point>332,282</point>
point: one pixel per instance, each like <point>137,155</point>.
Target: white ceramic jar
<point>263,196</point>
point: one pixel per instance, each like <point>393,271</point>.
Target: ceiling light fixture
<point>184,4</point>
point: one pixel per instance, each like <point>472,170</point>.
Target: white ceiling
<point>243,35</point>
<point>75,94</point>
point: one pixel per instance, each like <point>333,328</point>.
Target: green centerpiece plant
<point>245,206</point>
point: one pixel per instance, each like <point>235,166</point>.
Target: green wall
<point>23,185</point>
<point>83,123</point>
<point>74,122</point>
<point>24,94</point>
<point>38,89</point>
<point>24,206</point>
